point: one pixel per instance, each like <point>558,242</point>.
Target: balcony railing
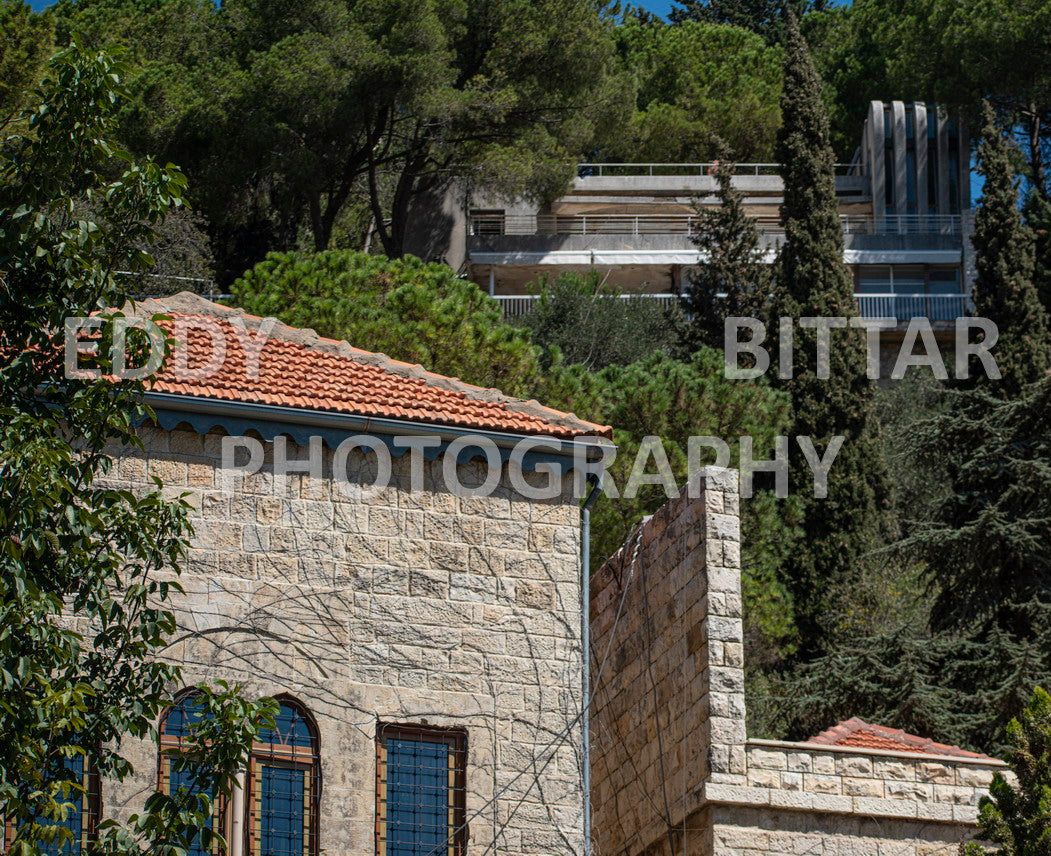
<point>902,307</point>
<point>601,170</point>
<point>519,304</point>
<point>935,307</point>
<point>687,224</point>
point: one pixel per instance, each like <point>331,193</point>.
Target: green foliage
<point>674,400</point>
<point>734,278</point>
<point>1038,218</point>
<point>1017,817</point>
<point>590,323</point>
<point>988,547</point>
<point>765,17</point>
<point>917,482</point>
<point>415,312</point>
<point>25,44</point>
<point>1003,287</point>
<point>703,89</point>
<point>962,667</point>
<point>86,571</point>
<point>811,280</point>
<point>289,115</point>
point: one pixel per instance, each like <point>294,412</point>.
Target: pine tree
<point>1004,250</point>
<point>988,549</point>
<point>760,16</point>
<point>811,280</point>
<point>733,279</point>
<point>1018,817</point>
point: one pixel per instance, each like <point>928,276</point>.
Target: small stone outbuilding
<point>673,770</point>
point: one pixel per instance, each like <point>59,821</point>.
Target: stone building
<point>424,643</point>
<point>421,628</point>
<point>673,770</point>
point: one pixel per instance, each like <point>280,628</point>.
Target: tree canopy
<point>88,573</point>
<point>703,89</point>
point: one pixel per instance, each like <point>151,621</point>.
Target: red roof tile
<point>863,735</point>
<point>298,368</point>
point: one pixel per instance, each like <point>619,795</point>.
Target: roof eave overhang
<point>236,417</point>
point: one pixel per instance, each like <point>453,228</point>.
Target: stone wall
<point>672,772</point>
<point>399,607</point>
<point>667,667</point>
<point>873,782</point>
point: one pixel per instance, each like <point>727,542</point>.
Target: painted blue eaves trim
<point>202,423</point>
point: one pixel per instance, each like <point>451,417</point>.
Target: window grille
<point>284,784</point>
<point>82,817</point>
<point>420,791</point>
<point>176,729</point>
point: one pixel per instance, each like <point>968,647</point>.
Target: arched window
<point>176,728</point>
<point>284,784</point>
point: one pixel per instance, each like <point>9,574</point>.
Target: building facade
<point>904,203</point>
<point>424,643</point>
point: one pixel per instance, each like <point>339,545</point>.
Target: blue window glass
<point>183,716</point>
<point>290,729</point>
<point>181,781</point>
<point>76,820</point>
<point>283,815</point>
<point>178,725</point>
<point>420,794</point>
<point>284,783</point>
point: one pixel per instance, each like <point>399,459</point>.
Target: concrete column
<point>492,281</point>
<point>943,164</point>
<point>920,128</point>
<point>898,129</point>
<point>874,163</point>
<point>237,817</point>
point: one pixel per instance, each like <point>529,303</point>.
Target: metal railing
<point>902,307</point>
<point>687,224</point>
<point>519,304</point>
<point>601,170</point>
<point>901,224</point>
<point>935,307</point>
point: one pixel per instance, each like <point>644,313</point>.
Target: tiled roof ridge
<point>841,734</point>
<point>188,303</point>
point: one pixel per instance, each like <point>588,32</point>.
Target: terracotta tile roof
<point>863,735</point>
<point>297,368</point>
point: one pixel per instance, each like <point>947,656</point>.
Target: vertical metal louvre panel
<point>420,792</point>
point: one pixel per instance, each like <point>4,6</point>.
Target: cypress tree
<point>812,280</point>
<point>1038,218</point>
<point>1004,257</point>
<point>733,278</point>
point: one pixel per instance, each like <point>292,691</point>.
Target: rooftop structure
<point>864,735</point>
<point>903,203</point>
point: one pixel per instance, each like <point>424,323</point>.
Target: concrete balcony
<point>942,309</point>
<point>693,179</point>
<point>641,239</point>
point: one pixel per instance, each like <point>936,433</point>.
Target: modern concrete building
<point>903,200</point>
